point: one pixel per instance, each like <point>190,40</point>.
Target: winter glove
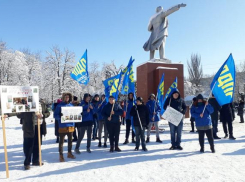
<point>81,113</point>
<point>61,114</point>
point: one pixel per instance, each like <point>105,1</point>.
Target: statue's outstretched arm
<point>172,10</point>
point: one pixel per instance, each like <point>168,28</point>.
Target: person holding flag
<point>102,122</point>
<point>154,117</point>
<point>111,113</point>
<point>128,106</point>
<point>223,87</point>
<point>176,102</point>
<point>128,87</point>
<point>140,115</point>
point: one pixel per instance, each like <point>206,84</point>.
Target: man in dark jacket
<point>141,120</point>
<point>227,116</point>
<point>241,110</point>
<point>215,115</point>
<point>128,105</point>
<point>176,102</point>
<point>111,113</point>
<point>30,129</point>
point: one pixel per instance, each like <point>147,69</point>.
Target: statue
<point>158,25</point>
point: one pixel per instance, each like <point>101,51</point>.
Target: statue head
<point>159,8</point>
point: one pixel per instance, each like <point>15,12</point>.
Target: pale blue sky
<point>117,29</point>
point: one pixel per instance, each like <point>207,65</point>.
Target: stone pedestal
<point>149,75</point>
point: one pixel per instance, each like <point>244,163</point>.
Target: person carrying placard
<point>65,128</point>
<point>112,112</point>
<point>30,129</point>
<point>203,119</point>
<point>154,110</point>
<point>176,102</point>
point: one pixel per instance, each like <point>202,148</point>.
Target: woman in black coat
<point>141,120</point>
<point>227,116</point>
<point>240,111</point>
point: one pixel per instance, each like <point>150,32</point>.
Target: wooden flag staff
<point>5,147</point>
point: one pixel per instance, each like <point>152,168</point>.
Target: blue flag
<point>108,84</point>
<point>171,89</point>
<point>128,85</point>
<point>160,93</point>
<point>223,84</point>
<point>128,66</point>
<point>115,86</point>
<point>80,72</point>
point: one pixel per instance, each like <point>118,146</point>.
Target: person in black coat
<point>192,118</point>
<point>112,112</point>
<point>215,115</point>
<point>227,116</point>
<point>240,111</point>
<point>176,102</point>
<point>141,120</point>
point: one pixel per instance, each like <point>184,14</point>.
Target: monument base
<point>149,75</point>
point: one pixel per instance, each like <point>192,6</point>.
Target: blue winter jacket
<point>100,117</point>
<point>57,115</point>
<point>128,108</point>
<point>87,118</point>
<point>206,119</point>
<point>150,105</point>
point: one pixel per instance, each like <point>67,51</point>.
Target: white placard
<point>71,114</point>
<point>173,116</point>
<point>16,99</point>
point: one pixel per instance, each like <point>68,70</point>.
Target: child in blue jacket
<point>203,121</point>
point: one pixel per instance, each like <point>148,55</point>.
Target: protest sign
<point>173,116</point>
<point>15,99</point>
<point>71,114</point>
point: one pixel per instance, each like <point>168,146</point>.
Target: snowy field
<point>158,164</point>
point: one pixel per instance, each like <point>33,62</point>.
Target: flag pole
<point>5,147</point>
<point>102,102</point>
<point>155,106</point>
<point>209,97</point>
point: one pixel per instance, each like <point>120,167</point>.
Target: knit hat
<point>139,99</point>
<point>199,97</point>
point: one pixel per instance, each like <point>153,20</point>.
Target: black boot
<point>105,145</point>
<point>58,140</point>
<point>226,136</point>
<point>144,149</point>
<point>212,149</point>
<point>148,140</point>
<point>217,138</point>
<point>232,137</point>
<point>99,145</point>
<point>117,149</point>
<point>136,149</point>
<point>126,142</point>
<point>202,150</point>
<point>158,140</point>
<point>133,141</point>
<point>112,149</point>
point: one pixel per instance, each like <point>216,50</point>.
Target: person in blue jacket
<point>86,124</point>
<point>203,121</point>
<point>111,113</point>
<point>127,108</point>
<point>102,124</point>
<point>95,104</point>
<point>154,110</point>
<point>64,128</point>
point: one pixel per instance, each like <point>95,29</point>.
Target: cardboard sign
<point>15,99</point>
<point>173,116</point>
<point>71,114</point>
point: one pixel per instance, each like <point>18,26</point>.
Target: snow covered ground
<point>158,164</point>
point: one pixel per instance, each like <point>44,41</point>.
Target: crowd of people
<point>102,120</point>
